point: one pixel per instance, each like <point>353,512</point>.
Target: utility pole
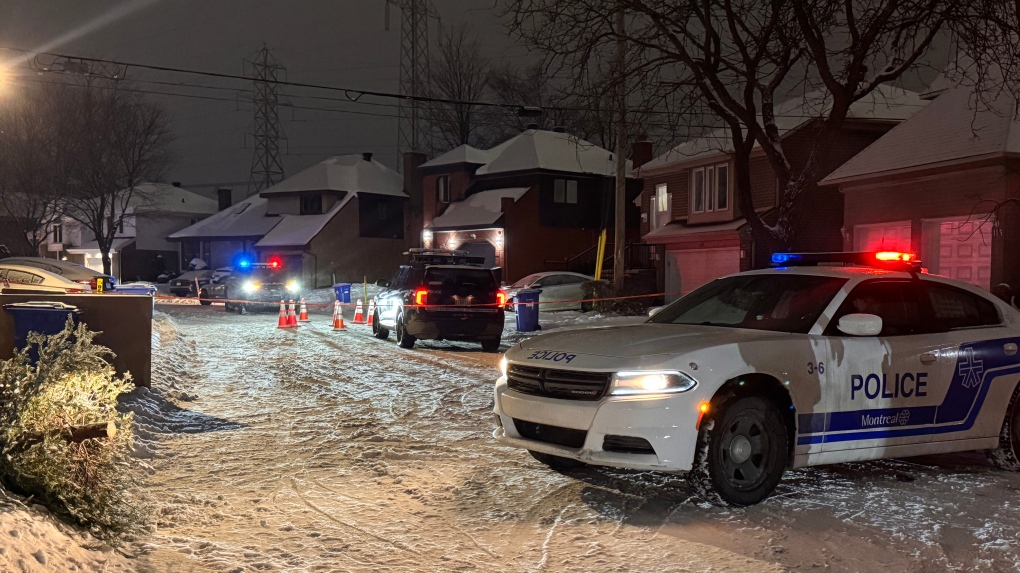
<point>620,234</point>
<point>266,166</point>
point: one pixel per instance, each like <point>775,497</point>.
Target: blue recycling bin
<point>43,317</point>
<point>526,309</point>
<point>343,292</point>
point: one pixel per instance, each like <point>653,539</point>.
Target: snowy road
<point>322,451</point>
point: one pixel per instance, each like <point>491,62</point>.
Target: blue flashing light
<point>244,263</point>
<point>783,258</point>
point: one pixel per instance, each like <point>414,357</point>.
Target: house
<point>942,184</point>
<point>535,202</point>
<point>140,249</point>
<point>342,219</point>
<point>688,203</point>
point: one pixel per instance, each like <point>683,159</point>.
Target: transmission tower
<point>266,167</point>
<point>412,132</point>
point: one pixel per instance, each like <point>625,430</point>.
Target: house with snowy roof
<point>342,219</point>
<point>688,202</point>
<point>533,203</point>
<point>941,184</point>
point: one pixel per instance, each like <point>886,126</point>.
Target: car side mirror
<point>654,311</point>
<point>860,324</point>
<point>382,283</point>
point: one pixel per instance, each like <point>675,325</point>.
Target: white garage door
<point>700,266</point>
<point>883,237</point>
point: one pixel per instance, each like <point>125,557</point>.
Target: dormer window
<point>443,188</point>
<point>710,188</point>
<point>565,191</point>
<point>311,205</point>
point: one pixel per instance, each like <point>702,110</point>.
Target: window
<point>781,303</point>
<point>443,188</point>
<point>565,191</point>
<point>120,226</point>
<point>311,205</point>
<point>710,188</point>
<point>58,234</point>
<point>383,212</point>
<point>661,203</point>
<point>662,206</point>
<point>956,308</point>
<point>23,277</point>
<point>897,303</point>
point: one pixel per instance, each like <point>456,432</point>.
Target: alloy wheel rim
<point>745,451</point>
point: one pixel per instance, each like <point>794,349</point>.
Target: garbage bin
<point>343,292</point>
<point>42,317</point>
<point>526,308</point>
<point>145,289</point>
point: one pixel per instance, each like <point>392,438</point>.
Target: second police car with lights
<point>254,286</point>
<point>825,358</point>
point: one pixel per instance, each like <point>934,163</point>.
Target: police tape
<point>354,305</point>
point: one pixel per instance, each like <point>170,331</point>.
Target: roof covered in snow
<point>93,246</point>
<point>956,126</point>
<point>678,229</point>
<point>460,154</point>
<point>299,230</point>
<point>350,173</point>
<point>245,219</point>
<point>549,150</point>
<point>885,103</point>
<point>482,208</point>
<point>166,198</point>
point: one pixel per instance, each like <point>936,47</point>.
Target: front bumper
<point>453,325</point>
<point>666,422</point>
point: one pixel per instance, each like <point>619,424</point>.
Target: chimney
<point>641,153</point>
<point>560,129</point>
<point>176,183</point>
<point>226,197</point>
<point>367,156</point>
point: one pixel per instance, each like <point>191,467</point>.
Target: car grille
<point>551,434</point>
<point>626,445</point>
<point>563,384</point>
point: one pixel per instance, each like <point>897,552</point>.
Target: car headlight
<point>659,382</point>
<point>251,286</point>
<point>502,366</point>
<point>293,286</point>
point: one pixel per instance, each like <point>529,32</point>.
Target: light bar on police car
<point>882,259</point>
<point>651,382</point>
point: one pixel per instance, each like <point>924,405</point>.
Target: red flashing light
<point>501,299</point>
<point>421,296</point>
<point>895,256</point>
<point>275,263</point>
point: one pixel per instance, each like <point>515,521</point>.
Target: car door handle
<point>928,357</point>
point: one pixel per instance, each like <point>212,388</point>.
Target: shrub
<point>72,385</point>
<point>599,290</point>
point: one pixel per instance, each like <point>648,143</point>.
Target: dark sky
<point>332,42</point>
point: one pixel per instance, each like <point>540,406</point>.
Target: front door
<point>883,389</point>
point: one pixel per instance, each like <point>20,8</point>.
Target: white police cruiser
<point>830,357</point>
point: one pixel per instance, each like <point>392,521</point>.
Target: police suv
<point>826,358</point>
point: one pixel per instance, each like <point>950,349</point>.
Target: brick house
<point>933,185</point>
<point>530,204</point>
<point>688,203</point>
<point>342,219</point>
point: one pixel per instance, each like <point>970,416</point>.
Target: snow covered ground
<point>312,450</point>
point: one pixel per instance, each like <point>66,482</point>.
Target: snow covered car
<point>68,270</point>
<point>560,290</point>
<point>14,278</point>
<point>800,365</point>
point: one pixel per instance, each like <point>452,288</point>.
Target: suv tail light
<point>421,297</point>
<point>500,299</point>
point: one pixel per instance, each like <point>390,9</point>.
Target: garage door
<point>701,266</point>
<point>481,249</point>
<point>883,237</point>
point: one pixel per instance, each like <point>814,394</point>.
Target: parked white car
<point>23,277</point>
<point>560,290</point>
<point>782,368</point>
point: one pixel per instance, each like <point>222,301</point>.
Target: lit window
<point>661,203</point>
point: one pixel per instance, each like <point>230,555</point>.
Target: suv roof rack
<point>444,257</point>
<point>890,260</point>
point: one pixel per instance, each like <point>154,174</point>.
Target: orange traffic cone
<point>303,317</point>
<point>338,317</point>
<point>291,316</point>
<point>359,314</point>
<point>283,323</point>
<point>371,312</point>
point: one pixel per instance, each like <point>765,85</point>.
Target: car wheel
<point>586,306</point>
<point>557,462</point>
<point>377,330</point>
<point>741,453</point>
<point>404,340</point>
<point>203,298</point>
<point>491,345</point>
<point>1007,455</point>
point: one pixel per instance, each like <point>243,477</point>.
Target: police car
<point>253,286</point>
<point>825,358</point>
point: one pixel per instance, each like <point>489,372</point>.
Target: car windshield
<point>525,281</point>
<point>783,303</point>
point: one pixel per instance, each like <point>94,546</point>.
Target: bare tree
<point>31,166</point>
<point>116,141</point>
<point>460,73</point>
<point>738,59</point>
